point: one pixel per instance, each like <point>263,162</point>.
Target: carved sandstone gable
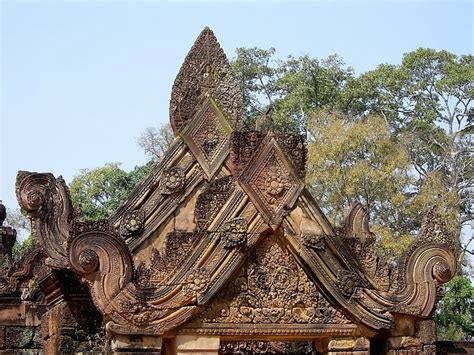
<point>271,288</point>
<point>223,238</point>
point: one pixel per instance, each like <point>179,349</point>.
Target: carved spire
<point>205,70</point>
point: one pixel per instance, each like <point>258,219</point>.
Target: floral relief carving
<point>211,200</point>
<point>271,183</point>
<point>140,312</point>
<point>196,282</point>
<point>266,347</point>
<point>164,262</point>
<point>271,288</point>
<point>208,136</point>
<point>234,232</point>
<point>132,223</point>
<point>205,70</point>
<point>172,180</point>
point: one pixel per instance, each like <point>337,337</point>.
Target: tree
<point>17,219</point>
<point>100,191</point>
<point>294,87</point>
<point>256,74</point>
<point>359,161</point>
<point>428,103</point>
<point>455,312</point>
<point>156,141</point>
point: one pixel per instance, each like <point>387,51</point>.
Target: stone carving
<point>17,275</point>
<point>172,180</point>
<point>266,347</point>
<point>132,223</point>
<point>196,282</point>
<point>297,280</point>
<point>213,198</point>
<point>205,70</point>
<point>207,135</point>
<point>314,241</point>
<point>244,148</point>
<point>294,147</point>
<point>46,200</point>
<point>271,288</point>
<point>271,183</point>
<point>246,145</point>
<point>140,313</point>
<point>361,241</point>
<point>348,282</point>
<point>163,264</point>
<point>234,232</point>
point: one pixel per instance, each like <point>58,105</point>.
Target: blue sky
<point>80,80</point>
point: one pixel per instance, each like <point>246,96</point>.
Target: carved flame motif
<point>271,183</point>
<point>205,70</point>
<point>208,136</point>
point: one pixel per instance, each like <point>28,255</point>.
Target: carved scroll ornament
<point>46,201</point>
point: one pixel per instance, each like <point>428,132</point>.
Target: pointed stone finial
<point>205,71</point>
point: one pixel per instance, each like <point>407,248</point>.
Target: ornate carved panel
<point>271,288</point>
<point>163,264</point>
<point>212,199</point>
<point>266,347</point>
<point>271,183</point>
<point>205,70</point>
<point>208,136</point>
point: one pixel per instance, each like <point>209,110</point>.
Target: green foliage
<point>21,248</point>
<point>360,161</point>
<point>426,103</point>
<point>294,87</point>
<point>455,313</point>
<point>100,191</point>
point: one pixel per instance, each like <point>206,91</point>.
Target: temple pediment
<point>223,238</point>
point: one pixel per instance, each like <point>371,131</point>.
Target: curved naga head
<point>46,201</point>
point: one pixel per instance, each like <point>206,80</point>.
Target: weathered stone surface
<point>222,241</point>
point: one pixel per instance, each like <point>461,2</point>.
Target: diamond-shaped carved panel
<point>271,183</point>
<point>207,136</point>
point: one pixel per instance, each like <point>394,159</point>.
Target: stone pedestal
<point>196,345</point>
